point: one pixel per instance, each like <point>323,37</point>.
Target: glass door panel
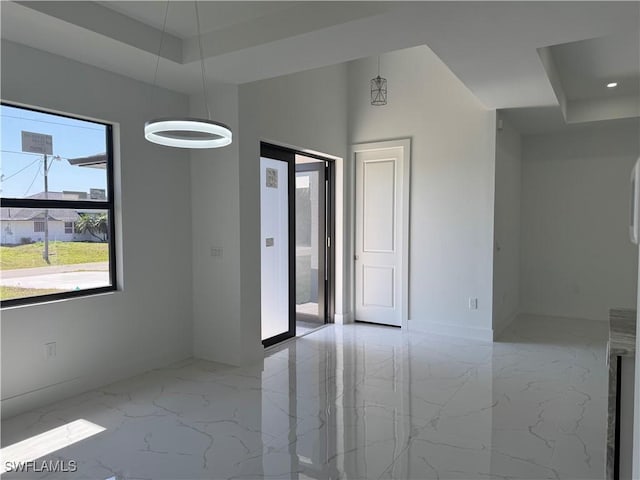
<point>276,237</point>
<point>310,245</point>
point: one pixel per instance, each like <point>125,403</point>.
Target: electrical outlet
<point>473,303</point>
<point>50,349</point>
<point>216,251</point>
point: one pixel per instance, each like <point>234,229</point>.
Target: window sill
<point>63,297</point>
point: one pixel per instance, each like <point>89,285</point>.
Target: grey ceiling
<point>491,46</point>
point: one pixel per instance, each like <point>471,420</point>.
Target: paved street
<point>29,272</point>
<point>61,277</point>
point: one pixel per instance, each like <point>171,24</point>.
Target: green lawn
<point>60,253</point>
<point>7,293</point>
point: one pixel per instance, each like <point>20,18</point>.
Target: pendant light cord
<point>184,132</point>
<point>378,65</point>
<point>204,87</point>
<point>164,27</point>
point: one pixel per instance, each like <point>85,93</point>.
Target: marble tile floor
<point>303,327</point>
<point>354,402</point>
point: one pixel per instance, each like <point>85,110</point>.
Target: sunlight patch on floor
<point>47,442</point>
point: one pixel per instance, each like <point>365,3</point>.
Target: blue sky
<point>22,174</point>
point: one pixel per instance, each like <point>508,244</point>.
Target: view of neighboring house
<point>27,225</point>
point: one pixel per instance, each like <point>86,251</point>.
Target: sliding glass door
<point>311,240</point>
<point>277,180</point>
<point>296,227</point>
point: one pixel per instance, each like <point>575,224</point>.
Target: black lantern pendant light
<point>378,89</point>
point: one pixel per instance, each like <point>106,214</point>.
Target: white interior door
<point>380,235</point>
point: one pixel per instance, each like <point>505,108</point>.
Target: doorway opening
<point>297,226</point>
<point>312,242</point>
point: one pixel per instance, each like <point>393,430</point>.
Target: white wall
<point>148,323</point>
<point>215,197</point>
<point>577,260</point>
<point>506,259</point>
<point>452,184</point>
<point>305,110</point>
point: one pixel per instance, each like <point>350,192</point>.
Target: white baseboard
<point>342,318</point>
<point>531,317</point>
<point>461,331</point>
<point>48,394</point>
<point>502,325</point>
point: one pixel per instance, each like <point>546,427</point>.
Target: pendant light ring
<point>187,133</point>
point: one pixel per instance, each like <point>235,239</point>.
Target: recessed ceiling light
<point>612,84</point>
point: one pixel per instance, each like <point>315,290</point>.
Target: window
<point>56,190</point>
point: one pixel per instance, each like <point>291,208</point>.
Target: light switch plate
<point>50,349</point>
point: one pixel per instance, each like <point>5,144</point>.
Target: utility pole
<point>41,143</point>
<point>45,253</point>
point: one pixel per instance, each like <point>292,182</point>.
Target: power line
<point>31,153</point>
<point>32,182</point>
<point>19,171</point>
<point>50,164</point>
<point>53,123</point>
<point>22,153</point>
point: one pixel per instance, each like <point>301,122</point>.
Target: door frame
<point>276,153</point>
<point>267,147</point>
<point>324,233</point>
<point>405,146</point>
<point>330,229</point>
